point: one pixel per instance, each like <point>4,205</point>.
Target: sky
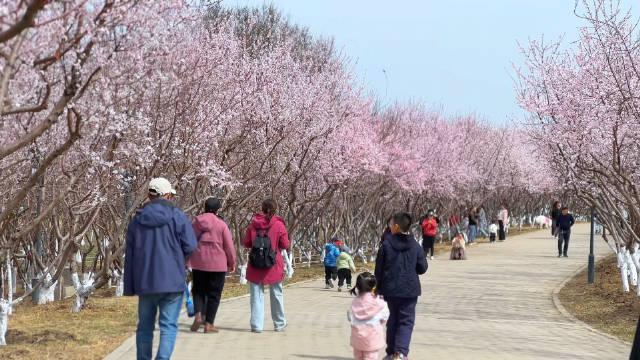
<point>454,55</point>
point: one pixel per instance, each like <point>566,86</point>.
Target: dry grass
<point>52,331</point>
<point>603,305</point>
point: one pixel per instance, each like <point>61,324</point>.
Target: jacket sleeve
<point>186,236</point>
<point>572,220</point>
<point>351,264</point>
<point>379,269</point>
<point>283,239</point>
<point>421,264</point>
<point>128,264</point>
<point>229,249</point>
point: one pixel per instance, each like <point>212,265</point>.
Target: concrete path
<point>496,305</point>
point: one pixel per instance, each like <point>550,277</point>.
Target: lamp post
<point>592,266</point>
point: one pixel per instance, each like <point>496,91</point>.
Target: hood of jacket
<point>366,306</point>
<point>401,242</point>
<point>156,213</point>
<point>206,222</point>
<point>261,222</point>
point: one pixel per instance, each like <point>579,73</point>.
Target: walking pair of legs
<point>472,233</point>
<point>344,274</point>
<point>563,241</point>
<point>330,274</point>
<point>169,305</point>
<point>207,291</point>
<point>402,318</point>
<point>257,306</point>
<point>428,243</point>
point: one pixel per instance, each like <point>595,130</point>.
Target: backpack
<point>262,255</point>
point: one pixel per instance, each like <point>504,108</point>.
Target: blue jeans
<point>257,306</point>
<point>169,305</point>
<point>402,318</point>
<point>472,233</point>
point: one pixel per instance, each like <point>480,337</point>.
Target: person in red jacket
<point>429,232</point>
<point>267,222</point>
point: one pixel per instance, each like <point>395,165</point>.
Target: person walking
<point>214,256</point>
<point>399,263</point>
<point>331,253</point>
<point>429,231</point>
<point>472,230</point>
<point>555,213</point>
<point>564,223</point>
<point>503,222</point>
<point>367,316</point>
<point>345,267</point>
<point>266,237</point>
<point>159,240</point>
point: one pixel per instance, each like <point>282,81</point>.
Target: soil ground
<point>603,305</point>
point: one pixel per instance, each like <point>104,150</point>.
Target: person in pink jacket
<point>367,316</point>
<point>268,224</point>
<point>214,256</point>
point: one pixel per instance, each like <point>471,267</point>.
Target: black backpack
<point>262,255</point>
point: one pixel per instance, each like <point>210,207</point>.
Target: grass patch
<point>603,305</point>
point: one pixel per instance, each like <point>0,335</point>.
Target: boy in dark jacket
<point>564,223</point>
<point>399,262</point>
<point>331,253</point>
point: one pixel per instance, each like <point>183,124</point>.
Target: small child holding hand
<point>367,316</point>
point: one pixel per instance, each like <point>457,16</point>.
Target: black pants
<point>402,318</point>
<point>492,237</point>
<point>344,274</point>
<point>207,290</point>
<point>330,273</point>
<point>502,235</point>
<point>427,244</point>
<point>563,237</point>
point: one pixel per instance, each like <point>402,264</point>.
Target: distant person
<point>503,222</point>
<point>564,224</point>
<point>386,233</point>
<point>266,237</point>
<point>483,225</point>
<point>214,256</point>
<point>346,268</point>
<point>331,253</point>
<point>159,240</point>
<point>399,263</point>
<point>556,211</point>
<point>493,231</point>
<point>472,230</point>
<point>458,251</point>
<point>429,231</point>
<point>367,316</point>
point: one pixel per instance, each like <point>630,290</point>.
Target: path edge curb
<point>558,305</point>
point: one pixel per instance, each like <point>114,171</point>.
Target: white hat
<point>161,186</point>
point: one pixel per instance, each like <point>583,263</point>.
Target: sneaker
<point>432,257</point>
<point>280,329</point>
<point>326,286</point>
<point>210,329</point>
<point>398,356</point>
<point>559,255</point>
<point>256,331</point>
<point>565,255</point>
<point>331,285</point>
<point>339,288</point>
<point>348,287</point>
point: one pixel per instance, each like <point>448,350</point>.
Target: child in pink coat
<point>367,316</point>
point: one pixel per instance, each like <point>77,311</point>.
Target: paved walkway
<point>496,305</point>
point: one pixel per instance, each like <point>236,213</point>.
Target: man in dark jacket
<point>159,239</point>
<point>399,262</point>
<point>564,223</point>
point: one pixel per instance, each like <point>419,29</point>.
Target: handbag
<point>191,311</point>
